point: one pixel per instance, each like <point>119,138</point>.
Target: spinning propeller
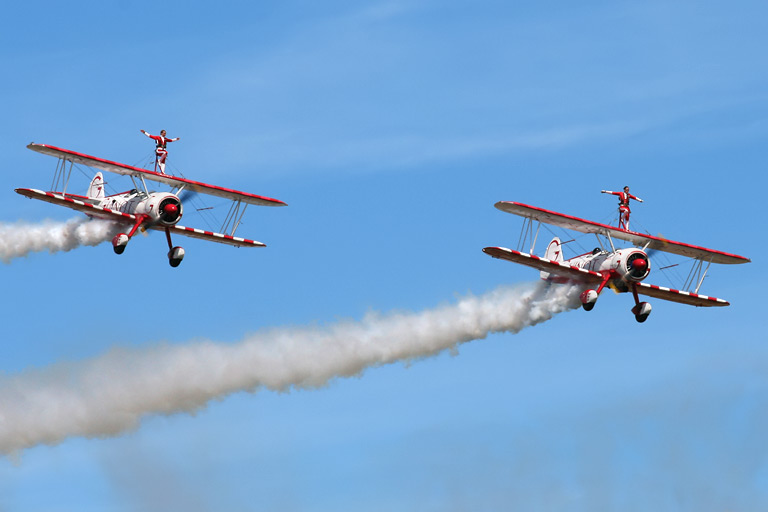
<point>170,210</point>
<point>637,265</point>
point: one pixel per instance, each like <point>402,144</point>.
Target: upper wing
<point>693,299</point>
<point>554,267</point>
<point>639,239</point>
<point>172,181</point>
<point>87,208</point>
<point>211,236</point>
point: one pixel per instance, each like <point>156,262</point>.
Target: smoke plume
<point>109,394</point>
<point>21,238</point>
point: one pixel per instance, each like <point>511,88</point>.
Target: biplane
<point>623,270</point>
<point>140,208</point>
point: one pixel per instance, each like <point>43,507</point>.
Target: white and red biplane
<point>623,270</point>
<point>139,208</point>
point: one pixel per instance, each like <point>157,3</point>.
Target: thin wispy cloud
<point>372,89</point>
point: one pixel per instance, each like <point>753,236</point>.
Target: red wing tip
<point>276,202</point>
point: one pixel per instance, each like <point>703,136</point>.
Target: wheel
<point>641,312</point>
<point>175,256</point>
<point>119,242</point>
<point>588,299</point>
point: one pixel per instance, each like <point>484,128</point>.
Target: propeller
<point>170,210</point>
<point>637,265</point>
<point>186,195</point>
<point>651,251</point>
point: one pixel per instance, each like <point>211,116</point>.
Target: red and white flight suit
<point>161,153</point>
<point>624,210</point>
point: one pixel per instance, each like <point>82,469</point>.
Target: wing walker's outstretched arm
<point>620,194</point>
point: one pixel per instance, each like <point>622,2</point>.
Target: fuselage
<point>163,208</point>
<point>630,264</point>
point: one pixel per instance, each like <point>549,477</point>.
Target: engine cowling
<point>634,265</point>
<point>164,208</point>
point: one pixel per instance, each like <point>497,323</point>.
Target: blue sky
<point>391,128</point>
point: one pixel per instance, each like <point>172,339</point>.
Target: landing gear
<point>641,311</point>
<point>119,242</point>
<point>588,299</point>
<point>121,239</point>
<point>175,254</point>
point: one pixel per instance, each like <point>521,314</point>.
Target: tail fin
<point>554,252</point>
<point>96,188</point>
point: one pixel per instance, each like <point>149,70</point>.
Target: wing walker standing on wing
<point>623,270</point>
<point>624,210</point>
<point>161,153</point>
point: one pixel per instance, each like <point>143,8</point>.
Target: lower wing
<point>690,298</point>
<point>587,276</point>
<point>128,218</point>
<point>559,268</point>
<point>68,202</point>
<point>210,236</point>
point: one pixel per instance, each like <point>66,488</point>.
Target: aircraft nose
<point>170,209</point>
<point>639,264</point>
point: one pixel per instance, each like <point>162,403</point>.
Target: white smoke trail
<point>21,238</point>
<point>110,394</point>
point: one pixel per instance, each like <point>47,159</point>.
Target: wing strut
<point>607,235</point>
<point>143,184</point>
<point>235,215</point>
<point>697,275</point>
<point>526,232</point>
<point>62,174</point>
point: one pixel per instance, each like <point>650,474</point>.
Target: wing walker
<point>141,208</point>
<point>623,270</point>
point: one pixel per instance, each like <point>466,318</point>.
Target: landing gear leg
<point>121,239</point>
<point>589,297</point>
<point>175,254</point>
